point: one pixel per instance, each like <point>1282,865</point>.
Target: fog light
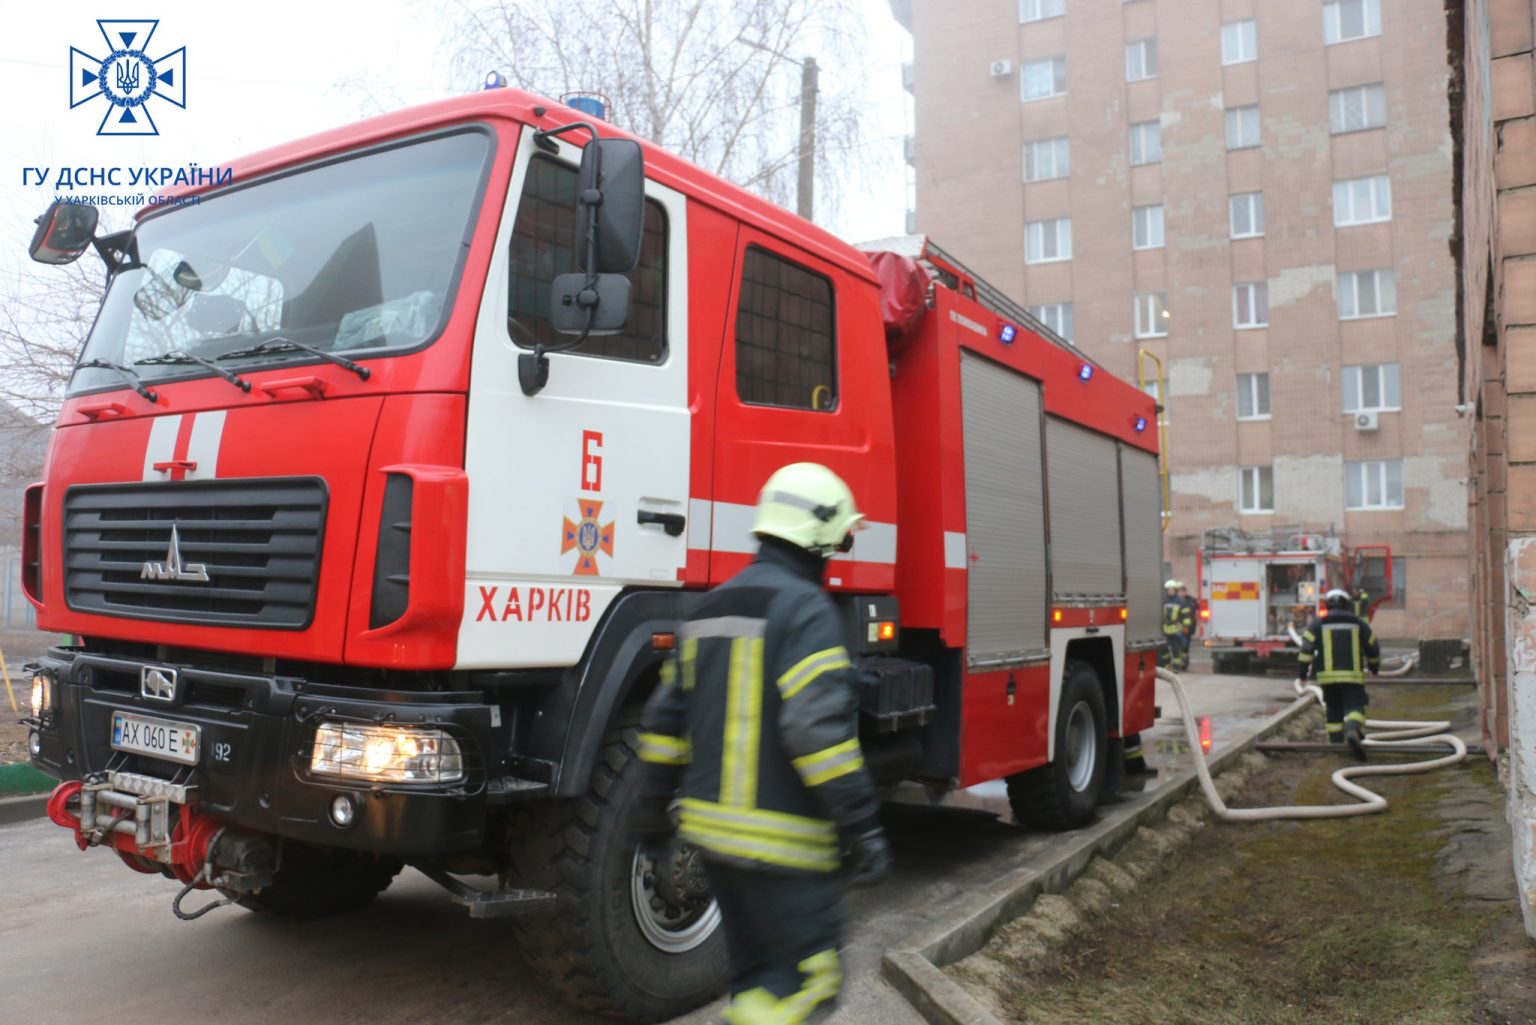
<point>386,754</point>
<point>34,743</point>
<point>343,811</point>
<point>42,695</point>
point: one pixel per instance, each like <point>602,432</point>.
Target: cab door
<point>582,489</point>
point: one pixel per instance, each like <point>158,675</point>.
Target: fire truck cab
<point>391,466</point>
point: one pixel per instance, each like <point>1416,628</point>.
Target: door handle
<point>672,523</point>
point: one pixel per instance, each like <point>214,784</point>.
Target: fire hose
<point>1396,733</point>
<point>1408,661</point>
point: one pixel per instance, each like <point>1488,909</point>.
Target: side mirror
<point>64,232</point>
<point>570,296</point>
<point>612,178</point>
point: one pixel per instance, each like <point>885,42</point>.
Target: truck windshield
<point>354,256</point>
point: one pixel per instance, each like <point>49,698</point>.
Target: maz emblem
<point>157,684</point>
<point>173,568</point>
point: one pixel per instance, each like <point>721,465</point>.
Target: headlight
<point>386,754</point>
<point>42,695</point>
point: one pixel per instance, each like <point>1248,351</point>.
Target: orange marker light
<point>663,642</point>
<point>1055,615</point>
<point>1205,613</point>
<point>1125,613</point>
<point>887,631</point>
<point>1205,733</point>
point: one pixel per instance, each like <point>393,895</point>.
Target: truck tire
<point>1063,794</point>
<point>608,946</point>
<point>317,882</point>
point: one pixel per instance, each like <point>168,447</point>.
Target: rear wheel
<point>628,937</point>
<point>317,882</point>
<point>1064,793</point>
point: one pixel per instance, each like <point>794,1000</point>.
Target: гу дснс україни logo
<point>127,77</point>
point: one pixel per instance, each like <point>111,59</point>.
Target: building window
<point>1250,304</point>
<point>1344,20</point>
<point>1152,315</point>
<point>1057,317</point>
<point>1367,293</point>
<point>1256,489</point>
<point>1371,574</point>
<point>786,352</point>
<point>1362,201</point>
<point>1247,214</point>
<point>1045,159</point>
<point>1239,42</point>
<point>1253,396</point>
<point>1372,386</point>
<point>542,248</point>
<point>1146,143</point>
<point>1373,484</point>
<point>1242,127</point>
<point>1147,227</point>
<point>1043,78</point>
<point>1048,241</point>
<point>1357,109</point>
<point>1039,10</point>
<point>1140,60</point>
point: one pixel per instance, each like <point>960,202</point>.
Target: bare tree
<point>716,81</point>
<point>44,318</point>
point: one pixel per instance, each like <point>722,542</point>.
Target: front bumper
<point>256,737</point>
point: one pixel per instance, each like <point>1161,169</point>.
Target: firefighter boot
<point>1354,734</point>
<point>756,1007</point>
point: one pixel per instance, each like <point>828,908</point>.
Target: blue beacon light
<point>1085,372</point>
<point>1006,333</point>
<point>1141,424</point>
<point>495,80</point>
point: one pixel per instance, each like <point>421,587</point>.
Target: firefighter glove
<point>870,860</point>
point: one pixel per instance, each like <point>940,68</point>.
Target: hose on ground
<point>1396,732</point>
<point>1408,661</point>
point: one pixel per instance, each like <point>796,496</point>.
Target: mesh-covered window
<point>543,246</point>
<point>786,353</point>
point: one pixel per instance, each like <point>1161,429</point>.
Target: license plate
<point>158,738</point>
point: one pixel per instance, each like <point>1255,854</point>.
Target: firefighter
<point>754,727</point>
<point>1362,605</point>
<point>1341,647</point>
<point>1193,608</point>
<point>1176,618</point>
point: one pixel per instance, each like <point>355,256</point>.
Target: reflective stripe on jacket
<point>1340,648</point>
<point>757,712</point>
<point>1177,616</point>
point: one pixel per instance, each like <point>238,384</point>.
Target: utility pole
<point>806,191</point>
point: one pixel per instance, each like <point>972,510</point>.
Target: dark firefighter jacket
<point>757,711</point>
<point>1177,617</point>
<point>1339,648</point>
<point>1192,607</point>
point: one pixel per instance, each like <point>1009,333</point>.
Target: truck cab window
<point>786,352</point>
<point>543,246</point>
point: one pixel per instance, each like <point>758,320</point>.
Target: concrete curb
<point>915,973</point>
<point>22,809</point>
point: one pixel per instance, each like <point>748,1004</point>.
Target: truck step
<point>488,903</point>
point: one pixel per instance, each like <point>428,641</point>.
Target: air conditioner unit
<point>1367,421</point>
<point>1002,68</point>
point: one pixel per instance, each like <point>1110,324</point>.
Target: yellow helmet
<point>809,506</point>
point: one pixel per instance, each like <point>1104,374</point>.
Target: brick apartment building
<point>1261,194</point>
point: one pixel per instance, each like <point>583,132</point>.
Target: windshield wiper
<point>128,372</point>
<point>289,345</point>
<point>178,356</point>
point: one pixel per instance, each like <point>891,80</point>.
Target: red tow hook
<point>59,813</point>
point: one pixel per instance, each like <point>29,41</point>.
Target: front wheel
<point>629,936</point>
<point>1063,793</point>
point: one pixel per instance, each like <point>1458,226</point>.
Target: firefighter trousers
<point>782,933</point>
<point>1178,650</point>
<point>1343,702</point>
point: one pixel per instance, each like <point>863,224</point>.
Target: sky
<point>257,76</point>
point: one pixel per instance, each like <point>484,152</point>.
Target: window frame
<point>1142,48</point>
<point>1337,98</point>
<point>1252,40</point>
<point>1258,295</point>
<point>1147,299</point>
<point>1030,228</point>
<point>1140,213</point>
<point>1058,77</point>
<point>1354,293</point>
<point>1383,481</point>
<point>1241,113</point>
<point>1333,21</point>
<point>1063,313</point>
<point>1255,204</point>
<point>1384,373</point>
<point>1260,475</point>
<point>1060,149</point>
<point>1248,384</point>
<point>736,342</point>
<point>1380,186</point>
<point>1040,6</point>
<point>1141,127</point>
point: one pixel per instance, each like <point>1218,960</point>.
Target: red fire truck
<point>390,466</point>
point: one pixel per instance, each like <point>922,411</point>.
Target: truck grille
<point>259,541</point>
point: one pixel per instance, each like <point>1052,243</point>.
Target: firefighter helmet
<point>1336,599</point>
<point>809,506</point>
<point>1171,585</point>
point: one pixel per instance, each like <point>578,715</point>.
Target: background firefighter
<point>1178,624</point>
<point>1340,647</point>
<point>755,726</point>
